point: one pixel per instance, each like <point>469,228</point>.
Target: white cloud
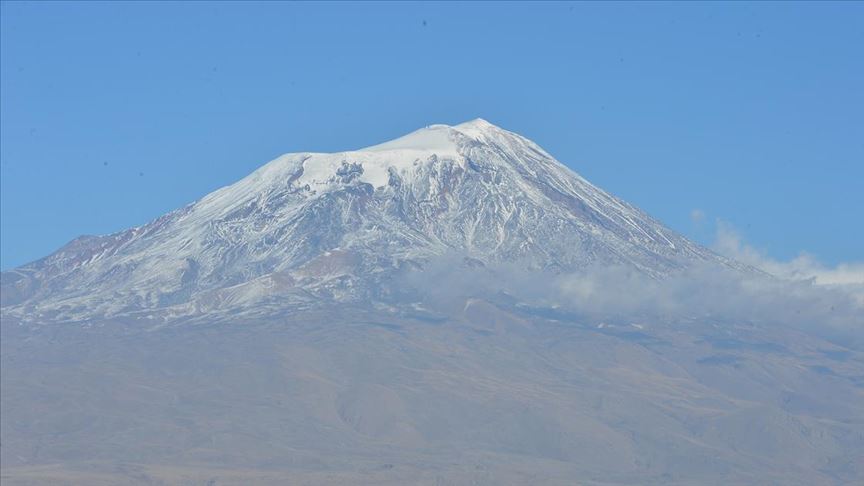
<point>697,216</point>
<point>848,276</point>
<point>711,293</point>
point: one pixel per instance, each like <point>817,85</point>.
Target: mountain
<point>452,307</point>
<point>308,228</point>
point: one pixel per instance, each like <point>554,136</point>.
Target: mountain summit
<point>313,227</point>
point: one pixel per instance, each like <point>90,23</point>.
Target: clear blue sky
<point>114,113</point>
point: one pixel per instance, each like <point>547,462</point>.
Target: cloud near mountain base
<point>847,277</point>
<point>703,292</point>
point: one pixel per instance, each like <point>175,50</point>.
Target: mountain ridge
<point>337,226</point>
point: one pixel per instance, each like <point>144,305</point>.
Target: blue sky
<point>114,113</point>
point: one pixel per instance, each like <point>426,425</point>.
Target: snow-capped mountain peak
<point>310,227</point>
<point>430,139</point>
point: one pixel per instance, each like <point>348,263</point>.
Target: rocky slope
<point>312,227</point>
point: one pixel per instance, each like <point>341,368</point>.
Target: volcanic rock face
<point>308,228</point>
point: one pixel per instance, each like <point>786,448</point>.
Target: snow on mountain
<point>276,332</point>
<point>312,227</point>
